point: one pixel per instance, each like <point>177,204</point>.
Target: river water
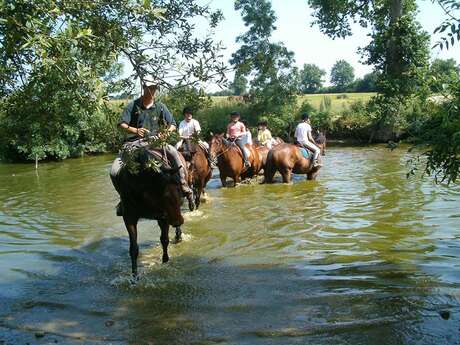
<point>360,256</point>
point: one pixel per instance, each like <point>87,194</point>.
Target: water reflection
<point>360,256</point>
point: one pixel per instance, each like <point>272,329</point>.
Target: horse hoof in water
<point>165,259</point>
<point>191,203</point>
<point>134,279</point>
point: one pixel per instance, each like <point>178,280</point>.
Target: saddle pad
<point>304,152</point>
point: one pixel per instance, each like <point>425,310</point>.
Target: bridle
<point>228,147</point>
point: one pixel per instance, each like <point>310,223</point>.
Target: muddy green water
<point>361,256</point>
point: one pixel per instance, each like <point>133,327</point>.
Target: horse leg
<point>164,238</point>
<point>178,234</point>
<point>312,175</point>
<point>236,179</point>
<point>131,226</point>
<point>286,175</point>
<point>223,179</point>
<point>199,191</point>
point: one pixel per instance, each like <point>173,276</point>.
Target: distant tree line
<point>311,79</point>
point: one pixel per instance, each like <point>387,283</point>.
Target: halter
<point>224,151</point>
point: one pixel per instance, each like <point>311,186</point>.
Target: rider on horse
<point>188,128</point>
<point>304,138</point>
<point>143,118</point>
<point>235,132</point>
<point>264,136</point>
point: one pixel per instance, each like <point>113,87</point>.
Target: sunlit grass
<point>339,101</point>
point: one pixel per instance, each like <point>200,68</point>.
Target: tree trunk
<point>394,63</point>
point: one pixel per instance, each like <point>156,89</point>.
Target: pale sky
<point>308,43</point>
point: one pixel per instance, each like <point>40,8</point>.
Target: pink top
<point>235,130</point>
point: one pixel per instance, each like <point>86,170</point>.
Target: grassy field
<point>339,101</point>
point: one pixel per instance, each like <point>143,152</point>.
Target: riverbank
<point>340,116</point>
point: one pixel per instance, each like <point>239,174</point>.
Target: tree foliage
<point>63,56</point>
<point>311,78</point>
<point>450,27</point>
<point>443,73</point>
<point>342,74</point>
<point>368,83</point>
<point>268,65</point>
<point>239,85</point>
<point>439,137</point>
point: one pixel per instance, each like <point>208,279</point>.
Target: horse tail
<point>269,169</point>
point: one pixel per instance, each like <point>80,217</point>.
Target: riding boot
<point>243,152</point>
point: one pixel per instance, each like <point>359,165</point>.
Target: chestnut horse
<point>263,150</point>
<point>230,160</point>
<point>287,159</point>
<point>200,170</point>
<point>151,195</point>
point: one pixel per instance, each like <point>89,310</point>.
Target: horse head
<point>216,145</point>
<point>320,139</point>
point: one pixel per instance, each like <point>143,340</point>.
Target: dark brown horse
<point>288,159</point>
<point>320,139</point>
<point>230,160</point>
<point>200,170</point>
<point>153,195</point>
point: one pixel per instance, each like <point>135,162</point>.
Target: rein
<point>224,151</point>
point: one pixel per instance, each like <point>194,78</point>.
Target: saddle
<point>246,150</point>
<point>189,149</point>
<point>139,156</point>
<point>304,152</point>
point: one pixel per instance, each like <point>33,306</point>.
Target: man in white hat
<point>143,118</point>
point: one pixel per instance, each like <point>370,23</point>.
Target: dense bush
<point>43,120</point>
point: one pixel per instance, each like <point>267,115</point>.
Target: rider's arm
<point>128,128</point>
<point>268,134</point>
<point>197,127</point>
<point>169,119</point>
<point>311,138</point>
<point>228,130</point>
<point>125,119</point>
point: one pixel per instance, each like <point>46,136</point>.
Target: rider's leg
<point>316,152</point>
<point>239,142</point>
<point>176,162</point>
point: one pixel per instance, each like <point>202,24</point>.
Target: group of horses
<point>156,195</point>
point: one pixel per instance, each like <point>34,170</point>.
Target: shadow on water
<point>200,300</point>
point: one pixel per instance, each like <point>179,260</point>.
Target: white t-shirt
<point>186,129</point>
<point>247,138</point>
<point>301,132</point>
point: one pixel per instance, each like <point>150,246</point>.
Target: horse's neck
<point>227,151</point>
